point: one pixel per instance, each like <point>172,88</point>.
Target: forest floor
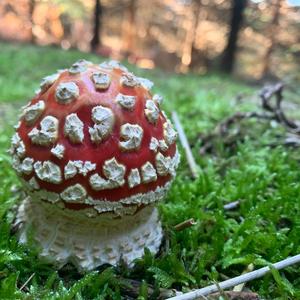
<point>246,163</point>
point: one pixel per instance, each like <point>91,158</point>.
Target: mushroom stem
<point>88,242</point>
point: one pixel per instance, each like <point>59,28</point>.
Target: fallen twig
<point>132,289</point>
<point>27,281</point>
<point>272,111</point>
<point>223,128</point>
<point>231,205</point>
<point>231,295</point>
<point>239,287</point>
<point>266,94</point>
<point>237,280</point>
<point>186,224</point>
<point>184,142</point>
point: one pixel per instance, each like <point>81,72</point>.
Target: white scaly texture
<point>79,66</point>
<point>158,99</point>
<point>113,171</point>
<point>145,83</point>
<point>47,134</point>
<point>150,197</point>
<point>88,242</point>
<point>116,172</point>
<point>134,178</point>
<point>74,128</point>
<point>74,194</point>
<point>126,101</point>
<point>153,146</point>
<point>16,163</point>
<point>170,134</point>
<point>125,206</point>
<point>17,126</point>
<point>33,112</point>
<point>148,172</point>
<point>26,165</point>
<point>131,135</point>
<point>48,81</point>
<point>47,196</point>
<point>151,111</point>
<point>98,183</point>
<point>74,167</point>
<point>17,146</point>
<point>58,151</point>
<point>101,80</point>
<point>164,165</point>
<point>163,145</point>
<point>66,92</point>
<point>116,207</point>
<point>156,144</point>
<point>129,80</point>
<point>103,118</point>
<point>113,64</point>
<point>48,171</point>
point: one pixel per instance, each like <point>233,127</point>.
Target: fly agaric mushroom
<point>95,153</point>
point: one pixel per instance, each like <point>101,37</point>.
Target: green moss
<point>265,228</point>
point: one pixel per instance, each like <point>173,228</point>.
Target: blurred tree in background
<point>237,16</point>
<point>95,42</point>
<point>252,38</point>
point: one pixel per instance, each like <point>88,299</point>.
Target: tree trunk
<point>272,38</point>
<point>96,41</point>
<point>237,17</point>
<point>189,43</point>
<point>129,26</point>
<point>31,12</point>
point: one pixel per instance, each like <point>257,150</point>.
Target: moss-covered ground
<point>265,179</point>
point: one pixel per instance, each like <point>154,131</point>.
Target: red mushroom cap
<point>95,137</point>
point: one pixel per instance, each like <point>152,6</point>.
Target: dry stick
<point>233,295</point>
<point>185,224</point>
<point>27,281</point>
<point>272,111</point>
<point>184,142</point>
<point>231,205</point>
<point>240,287</point>
<point>266,95</point>
<point>237,280</point>
<point>223,127</point>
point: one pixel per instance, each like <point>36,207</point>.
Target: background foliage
<point>263,177</point>
<point>176,35</point>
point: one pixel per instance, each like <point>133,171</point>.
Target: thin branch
<point>240,287</point>
<point>231,205</point>
<point>186,224</point>
<point>266,95</point>
<point>271,103</point>
<point>223,127</point>
<point>230,295</point>
<point>237,280</point>
<point>185,144</point>
<point>131,289</point>
<point>27,281</point>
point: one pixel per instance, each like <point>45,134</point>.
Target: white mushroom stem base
<point>88,242</point>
